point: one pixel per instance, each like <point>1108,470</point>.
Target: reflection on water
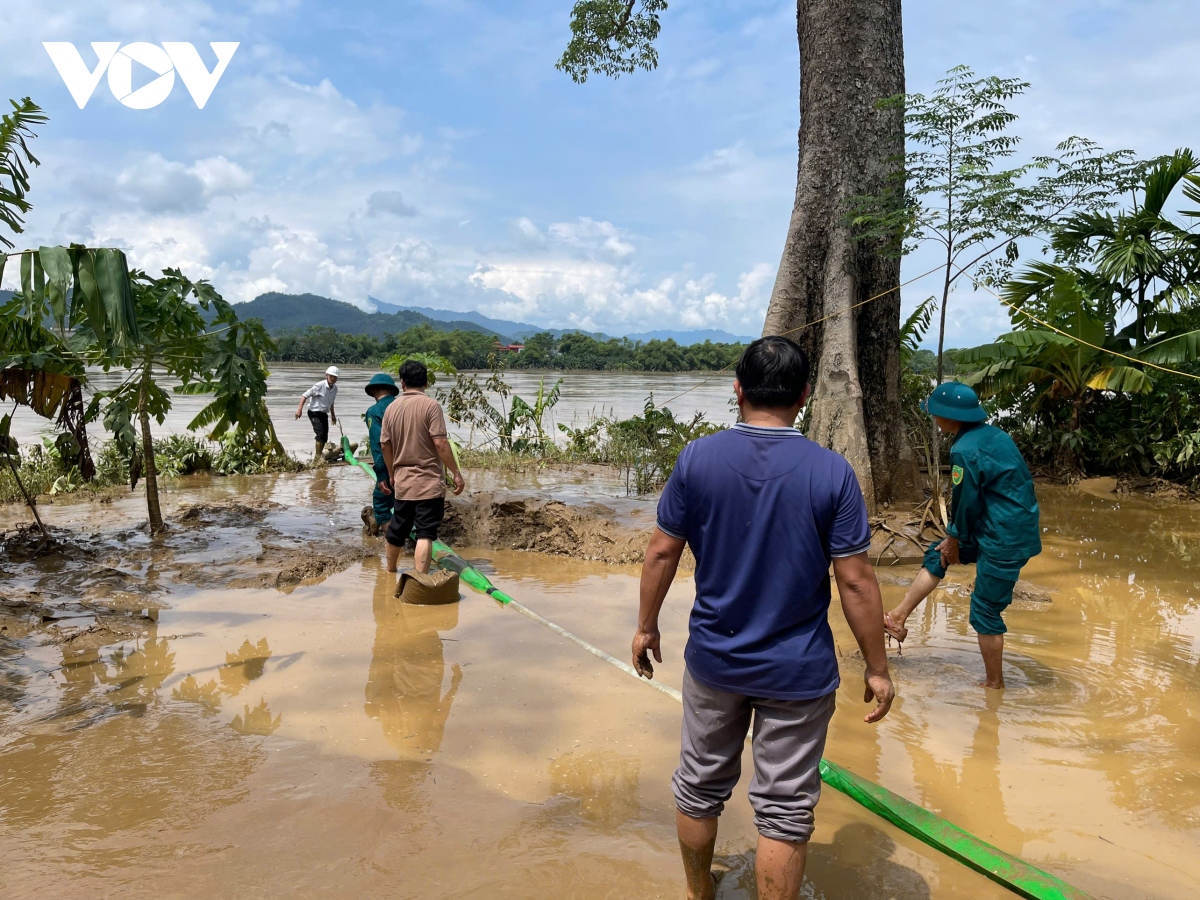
<point>110,763</point>
<point>255,721</point>
<point>241,667</point>
<point>859,862</point>
<point>604,783</point>
<point>231,748</point>
<point>404,683</point>
<point>404,689</point>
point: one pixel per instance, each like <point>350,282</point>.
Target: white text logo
<point>164,61</point>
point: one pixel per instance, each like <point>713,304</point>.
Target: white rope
<point>596,651</point>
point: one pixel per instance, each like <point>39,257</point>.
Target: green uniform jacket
<point>993,505</point>
<point>374,418</point>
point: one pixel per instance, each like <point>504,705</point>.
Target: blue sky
<point>428,153</point>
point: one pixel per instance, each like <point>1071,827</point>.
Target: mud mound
<point>26,544</point>
<point>286,568</point>
<point>588,531</point>
<point>1153,487</point>
<point>228,515</point>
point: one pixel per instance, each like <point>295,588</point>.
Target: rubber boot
<point>318,459</point>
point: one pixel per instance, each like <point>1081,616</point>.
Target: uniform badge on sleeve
<point>956,474</point>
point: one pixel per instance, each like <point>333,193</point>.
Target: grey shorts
<point>789,739</point>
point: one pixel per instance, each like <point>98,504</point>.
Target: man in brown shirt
<point>415,447</point>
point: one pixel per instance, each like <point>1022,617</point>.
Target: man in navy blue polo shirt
<point>766,512</point>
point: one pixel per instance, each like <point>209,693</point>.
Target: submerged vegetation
<point>643,448</point>
<point>43,469</point>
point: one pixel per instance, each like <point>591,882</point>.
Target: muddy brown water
<point>584,396</point>
<point>318,739</point>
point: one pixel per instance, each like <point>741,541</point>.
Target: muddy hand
<point>643,643</point>
<point>949,551</point>
<point>882,691</point>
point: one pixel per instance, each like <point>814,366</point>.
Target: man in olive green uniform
<point>994,522</point>
<point>376,516</point>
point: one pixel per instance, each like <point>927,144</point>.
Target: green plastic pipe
<point>1022,878</point>
<point>348,456</point>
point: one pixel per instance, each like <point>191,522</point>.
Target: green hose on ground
<point>1020,877</point>
<point>348,456</point>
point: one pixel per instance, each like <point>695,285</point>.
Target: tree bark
<point>149,469</point>
<point>851,56</point>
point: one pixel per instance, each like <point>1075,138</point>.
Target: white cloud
<point>527,233</point>
<point>389,203</point>
<point>159,185</point>
<point>591,237</point>
<point>222,177</point>
<point>305,124</point>
<point>737,176</point>
<point>598,294</point>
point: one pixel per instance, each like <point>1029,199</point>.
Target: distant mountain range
<point>522,330</point>
<point>295,312</point>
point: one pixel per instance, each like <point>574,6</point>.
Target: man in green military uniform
<point>383,390</point>
<point>994,523</point>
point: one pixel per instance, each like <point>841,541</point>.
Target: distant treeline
<point>470,350</point>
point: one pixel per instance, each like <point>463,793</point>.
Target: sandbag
<point>432,589</point>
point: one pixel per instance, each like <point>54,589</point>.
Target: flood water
<point>329,741</point>
<point>584,397</point>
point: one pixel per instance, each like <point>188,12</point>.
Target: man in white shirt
<point>321,397</point>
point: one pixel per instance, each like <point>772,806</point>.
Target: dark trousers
<point>381,503</point>
<point>320,424</point>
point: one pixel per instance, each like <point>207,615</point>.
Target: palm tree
<point>1069,365</point>
<point>16,129</point>
<point>1138,259</point>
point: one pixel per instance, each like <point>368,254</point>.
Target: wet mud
<point>589,530</point>
<point>179,717</point>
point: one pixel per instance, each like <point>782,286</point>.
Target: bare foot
<point>899,632</point>
<point>998,686</point>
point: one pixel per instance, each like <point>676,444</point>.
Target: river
<point>327,741</point>
<point>584,396</point>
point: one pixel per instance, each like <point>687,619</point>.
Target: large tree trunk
<point>851,56</point>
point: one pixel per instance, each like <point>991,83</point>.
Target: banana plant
<point>1137,259</point>
<point>1064,366</point>
<point>529,418</point>
<point>435,365</point>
